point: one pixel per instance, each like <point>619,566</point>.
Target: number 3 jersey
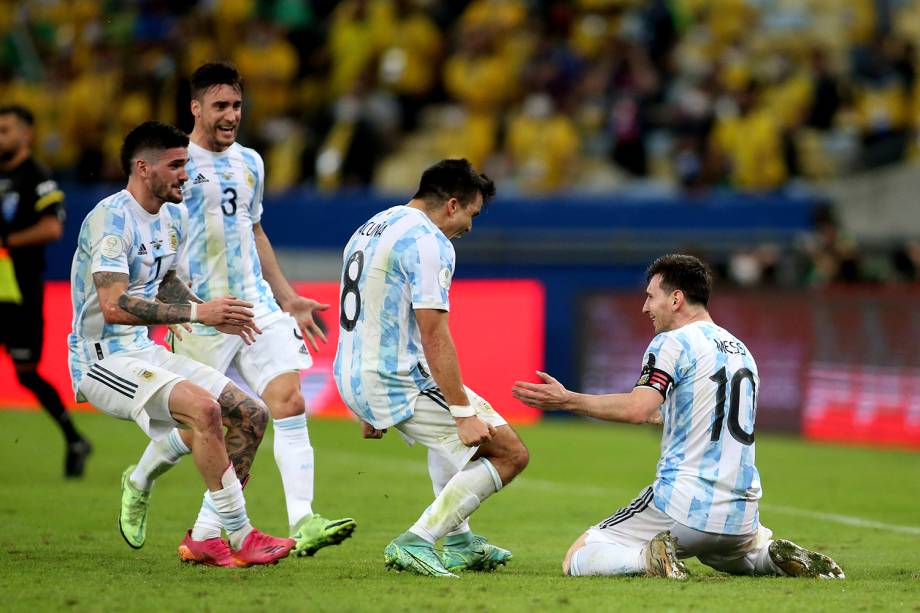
<point>396,262</point>
<point>706,478</point>
<point>223,196</point>
<point>119,236</point>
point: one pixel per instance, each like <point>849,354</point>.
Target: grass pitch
<point>60,548</point>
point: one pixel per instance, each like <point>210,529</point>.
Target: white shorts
<point>433,426</point>
<point>638,522</point>
<point>126,386</point>
<point>279,349</point>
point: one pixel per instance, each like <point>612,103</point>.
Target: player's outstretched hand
<point>177,329</point>
<point>473,431</point>
<point>225,310</point>
<point>369,431</point>
<point>304,312</point>
<point>246,332</point>
<point>548,396</point>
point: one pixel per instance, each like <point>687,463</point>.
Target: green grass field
<point>60,548</point>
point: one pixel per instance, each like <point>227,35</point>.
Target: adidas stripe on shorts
<point>433,426</point>
<point>125,386</point>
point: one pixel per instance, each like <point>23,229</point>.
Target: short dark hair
<point>684,272</point>
<point>215,73</point>
<point>454,179</point>
<point>22,113</point>
<point>150,135</point>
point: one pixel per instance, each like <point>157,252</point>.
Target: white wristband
<point>461,410</point>
<point>193,312</point>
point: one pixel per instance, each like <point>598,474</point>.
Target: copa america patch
<point>654,378</point>
<point>444,278</point>
<point>111,246</point>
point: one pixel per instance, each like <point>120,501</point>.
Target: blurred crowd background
<point>548,97</point>
<point>544,95</point>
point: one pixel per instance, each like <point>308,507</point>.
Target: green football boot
<point>800,562</point>
<point>412,553</point>
<point>132,520</point>
<point>314,532</point>
<point>472,552</point>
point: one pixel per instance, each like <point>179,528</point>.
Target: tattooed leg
<point>246,420</point>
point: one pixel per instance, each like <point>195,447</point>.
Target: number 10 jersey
<point>706,478</point>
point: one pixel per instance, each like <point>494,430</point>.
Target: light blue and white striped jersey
<point>706,478</point>
<point>224,200</point>
<point>118,235</point>
<point>396,262</point>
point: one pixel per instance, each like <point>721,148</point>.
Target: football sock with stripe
<point>225,507</point>
<point>158,457</point>
<point>294,457</point>
<point>607,560</point>
<point>460,497</point>
<point>441,470</point>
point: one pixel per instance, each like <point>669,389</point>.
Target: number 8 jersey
<point>223,196</point>
<point>396,262</point>
<point>706,478</point>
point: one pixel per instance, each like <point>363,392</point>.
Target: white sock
<point>605,559</point>
<point>294,456</point>
<point>460,497</point>
<point>441,470</point>
<point>224,508</point>
<point>762,563</point>
<point>158,457</point>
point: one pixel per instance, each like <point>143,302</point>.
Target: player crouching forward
<point>396,366</point>
<point>702,382</point>
<point>123,279</point>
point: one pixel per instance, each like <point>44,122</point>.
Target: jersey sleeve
<point>49,199</point>
<point>258,190</point>
<point>429,266</point>
<point>660,364</point>
<point>107,241</point>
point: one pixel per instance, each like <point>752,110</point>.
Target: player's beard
<point>7,155</point>
<point>163,190</point>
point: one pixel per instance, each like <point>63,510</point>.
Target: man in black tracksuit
<point>31,216</point>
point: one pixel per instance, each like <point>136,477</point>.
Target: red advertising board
<point>837,365</point>
<point>497,325</point>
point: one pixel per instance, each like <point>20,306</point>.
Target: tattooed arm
<point>120,308</point>
<point>174,291</point>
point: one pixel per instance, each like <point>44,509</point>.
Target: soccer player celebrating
<point>32,216</point>
<point>396,366</point>
<point>229,253</point>
<point>124,279</point>
<point>702,383</point>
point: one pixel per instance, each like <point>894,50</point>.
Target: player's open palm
<point>225,310</point>
<point>473,431</point>
<point>304,312</point>
<point>549,395</point>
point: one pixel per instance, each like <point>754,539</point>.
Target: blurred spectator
<point>686,93</point>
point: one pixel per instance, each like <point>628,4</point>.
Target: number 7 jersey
<point>223,196</point>
<point>706,478</point>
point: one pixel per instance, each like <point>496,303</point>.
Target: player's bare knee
<point>290,404</point>
<point>206,417</point>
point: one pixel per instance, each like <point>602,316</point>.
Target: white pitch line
<point>546,485</point>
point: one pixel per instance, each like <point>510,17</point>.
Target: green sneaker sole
<point>400,558</point>
<point>334,533</point>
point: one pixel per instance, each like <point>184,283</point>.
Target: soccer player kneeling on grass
<point>396,366</point>
<point>124,279</point>
<point>702,383</point>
